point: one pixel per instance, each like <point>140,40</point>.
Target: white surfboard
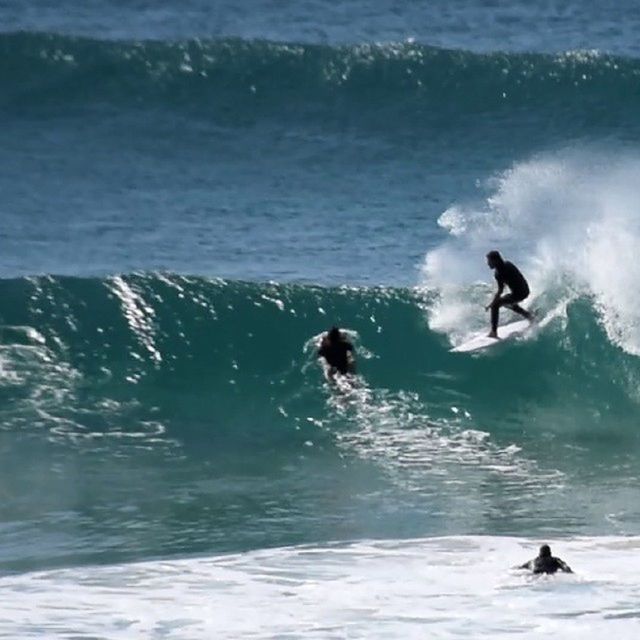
<point>482,341</point>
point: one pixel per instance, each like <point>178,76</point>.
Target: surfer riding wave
<point>506,273</point>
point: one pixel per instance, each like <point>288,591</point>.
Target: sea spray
<point>569,219</point>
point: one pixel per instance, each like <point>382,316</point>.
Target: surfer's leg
<point>521,311</point>
<point>511,301</point>
<point>495,316</point>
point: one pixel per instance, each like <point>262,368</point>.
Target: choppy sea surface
<point>191,193</point>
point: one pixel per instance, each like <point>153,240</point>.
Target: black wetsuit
<point>336,355</point>
<point>508,274</point>
<point>546,564</point>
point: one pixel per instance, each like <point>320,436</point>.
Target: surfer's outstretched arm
<point>564,566</point>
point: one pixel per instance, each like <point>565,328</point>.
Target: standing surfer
<point>506,273</point>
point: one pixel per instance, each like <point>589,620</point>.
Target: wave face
<point>234,79</point>
<point>201,400</point>
<point>249,346</point>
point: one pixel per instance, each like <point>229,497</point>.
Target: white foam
<point>447,587</point>
<point>570,220</point>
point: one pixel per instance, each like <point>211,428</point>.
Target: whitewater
<point>336,591</point>
<point>192,194</point>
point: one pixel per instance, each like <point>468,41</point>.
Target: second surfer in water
<point>546,563</point>
<point>337,352</point>
<point>506,273</point>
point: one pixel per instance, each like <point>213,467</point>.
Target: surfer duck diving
<point>506,273</point>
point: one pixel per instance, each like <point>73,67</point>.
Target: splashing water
<point>569,220</point>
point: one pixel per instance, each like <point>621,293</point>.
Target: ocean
<point>192,193</point>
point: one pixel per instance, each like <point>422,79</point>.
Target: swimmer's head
<point>334,334</point>
<point>494,259</point>
<point>545,551</point>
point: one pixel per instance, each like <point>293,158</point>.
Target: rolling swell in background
<point>329,154</point>
<point>233,79</point>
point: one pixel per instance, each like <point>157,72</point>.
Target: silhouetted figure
<point>337,352</point>
<point>546,563</point>
<point>506,273</point>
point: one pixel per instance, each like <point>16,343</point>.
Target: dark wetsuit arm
<point>526,565</point>
<point>563,566</point>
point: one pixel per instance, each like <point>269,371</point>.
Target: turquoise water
<point>170,415</point>
<point>191,194</point>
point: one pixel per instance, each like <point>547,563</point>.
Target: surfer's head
<point>334,334</point>
<point>494,259</point>
<point>545,551</point>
